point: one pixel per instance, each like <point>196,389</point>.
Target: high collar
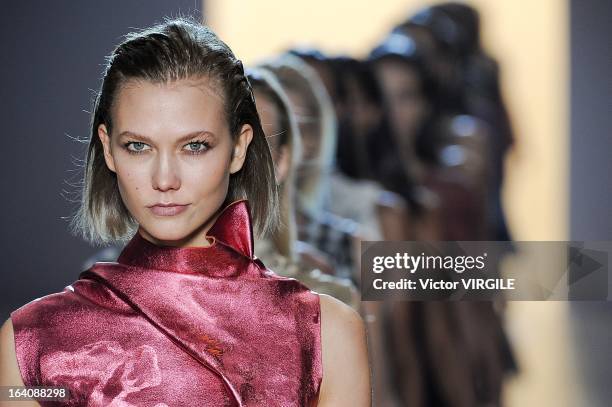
<point>232,241</point>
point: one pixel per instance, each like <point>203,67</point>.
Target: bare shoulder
<point>338,317</point>
<point>9,369</point>
<point>346,370</point>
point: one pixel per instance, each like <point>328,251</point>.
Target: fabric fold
<point>169,326</point>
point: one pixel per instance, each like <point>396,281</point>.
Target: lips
<point>167,209</point>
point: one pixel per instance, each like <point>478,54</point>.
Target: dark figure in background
<point>361,127</point>
<point>469,83</point>
<point>450,354</point>
<point>364,129</point>
<point>408,84</point>
<point>365,147</point>
<point>355,188</point>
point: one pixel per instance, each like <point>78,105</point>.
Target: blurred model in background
<point>278,251</point>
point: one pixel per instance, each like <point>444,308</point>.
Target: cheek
<point>207,176</point>
<point>398,115</point>
<point>132,183</point>
<point>127,188</point>
<point>411,112</point>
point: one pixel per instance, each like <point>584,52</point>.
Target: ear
<point>241,147</point>
<point>283,164</point>
<point>105,138</point>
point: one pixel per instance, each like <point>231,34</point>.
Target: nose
<point>165,174</point>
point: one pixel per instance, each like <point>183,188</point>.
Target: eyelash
<point>204,143</point>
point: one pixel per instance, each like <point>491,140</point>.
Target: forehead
<point>391,70</point>
<point>303,104</point>
<point>168,108</point>
<point>266,105</point>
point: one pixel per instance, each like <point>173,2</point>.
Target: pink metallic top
<point>167,326</point>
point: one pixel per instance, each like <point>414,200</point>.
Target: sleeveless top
<point>167,326</point>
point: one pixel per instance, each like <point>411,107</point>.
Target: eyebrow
<point>186,137</point>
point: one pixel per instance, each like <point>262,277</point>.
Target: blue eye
<point>135,147</point>
<point>138,147</point>
<point>196,147</point>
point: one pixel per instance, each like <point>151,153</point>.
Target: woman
<point>469,83</point>
<point>333,235</point>
<point>307,97</point>
<point>448,354</point>
<point>187,315</point>
<point>364,156</point>
<point>278,252</point>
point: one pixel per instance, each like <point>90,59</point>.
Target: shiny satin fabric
<point>166,326</point>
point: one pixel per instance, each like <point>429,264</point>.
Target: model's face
<point>363,114</point>
<point>408,106</point>
<point>269,115</point>
<point>310,128</point>
<point>326,75</point>
<point>170,143</point>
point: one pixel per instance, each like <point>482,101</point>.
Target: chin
<point>168,232</point>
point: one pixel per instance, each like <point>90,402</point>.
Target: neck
<point>189,241</point>
<point>195,239</point>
